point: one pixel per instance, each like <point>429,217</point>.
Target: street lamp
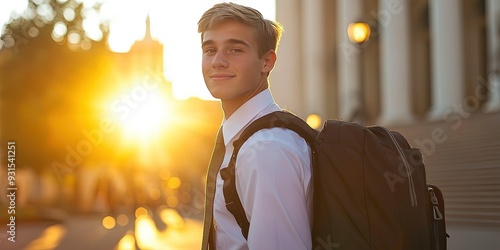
<point>359,33</point>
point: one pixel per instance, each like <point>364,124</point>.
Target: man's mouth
<point>221,77</point>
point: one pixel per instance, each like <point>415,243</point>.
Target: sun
<point>148,119</point>
<point>142,112</point>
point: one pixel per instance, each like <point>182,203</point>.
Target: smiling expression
<point>232,68</point>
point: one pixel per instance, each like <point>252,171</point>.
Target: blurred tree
<point>55,71</point>
<point>73,23</point>
<point>45,77</point>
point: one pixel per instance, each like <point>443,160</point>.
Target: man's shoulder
<point>274,149</point>
<point>275,137</point>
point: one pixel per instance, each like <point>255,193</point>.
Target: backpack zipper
<point>437,216</point>
<point>411,185</point>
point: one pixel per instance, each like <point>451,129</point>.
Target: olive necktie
<point>213,169</point>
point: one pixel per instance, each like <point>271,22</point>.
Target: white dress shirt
<point>273,181</point>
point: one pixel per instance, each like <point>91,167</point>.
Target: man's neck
<point>230,106</point>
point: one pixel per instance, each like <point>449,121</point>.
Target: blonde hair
<point>267,32</point>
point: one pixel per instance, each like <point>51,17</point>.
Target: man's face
<point>232,69</point>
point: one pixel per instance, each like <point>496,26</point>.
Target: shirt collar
<point>245,114</point>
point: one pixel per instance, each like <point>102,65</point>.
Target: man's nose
<point>219,60</point>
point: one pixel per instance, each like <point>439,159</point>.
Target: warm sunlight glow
<point>174,183</point>
<point>148,118</point>
<point>49,239</point>
<point>126,25</point>
<point>145,232</point>
<point>142,112</point>
<point>126,19</point>
<point>172,218</point>
<point>164,174</point>
<point>127,242</point>
<point>187,237</point>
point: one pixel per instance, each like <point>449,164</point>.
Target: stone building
<point>430,70</point>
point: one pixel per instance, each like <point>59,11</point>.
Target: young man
<point>273,168</point>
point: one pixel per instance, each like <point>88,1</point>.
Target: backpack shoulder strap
<point>283,119</point>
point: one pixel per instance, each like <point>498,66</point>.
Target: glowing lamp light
<point>314,121</point>
<point>109,222</point>
<point>358,32</point>
<point>140,211</point>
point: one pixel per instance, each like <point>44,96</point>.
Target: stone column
<point>314,61</point>
<point>286,78</point>
<point>447,58</point>
<point>395,62</point>
<point>348,55</point>
<point>493,41</point>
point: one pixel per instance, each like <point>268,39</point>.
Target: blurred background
<point>114,128</point>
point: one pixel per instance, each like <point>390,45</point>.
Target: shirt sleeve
<point>273,182</point>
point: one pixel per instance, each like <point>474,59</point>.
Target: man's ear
<point>269,61</point>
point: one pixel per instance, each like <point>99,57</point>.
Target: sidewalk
<point>127,232</point>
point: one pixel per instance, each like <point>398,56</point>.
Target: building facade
<point>431,69</point>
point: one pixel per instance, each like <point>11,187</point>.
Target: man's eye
<point>235,50</point>
<point>209,51</point>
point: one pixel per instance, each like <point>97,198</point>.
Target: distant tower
<point>147,54</point>
<point>144,58</point>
